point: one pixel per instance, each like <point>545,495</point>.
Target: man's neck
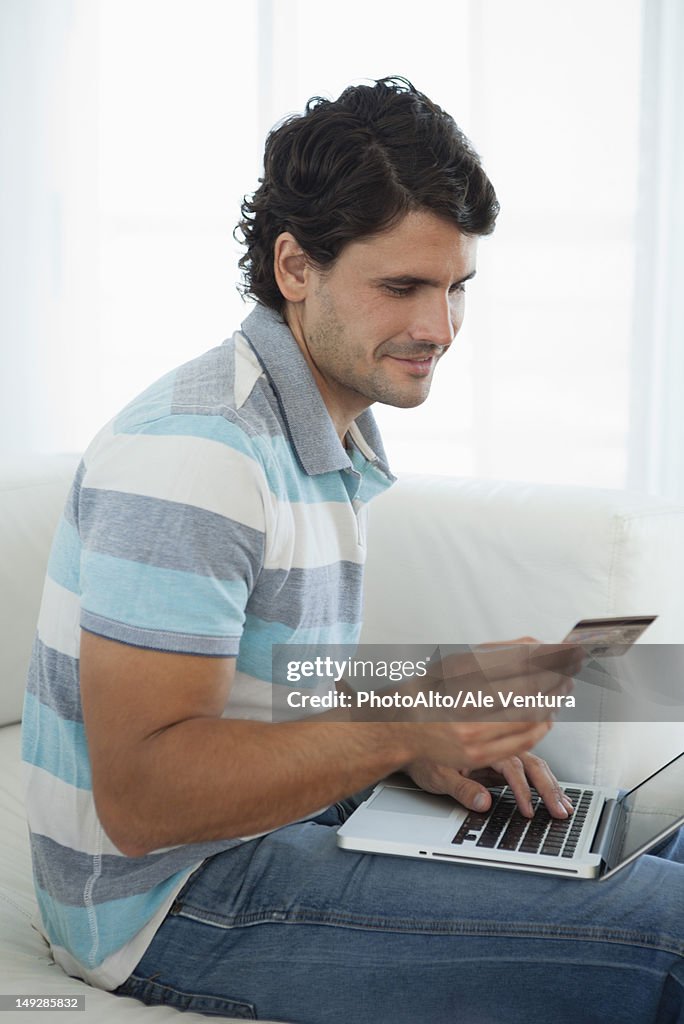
<point>343,405</point>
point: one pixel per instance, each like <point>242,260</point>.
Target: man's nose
<point>435,322</point>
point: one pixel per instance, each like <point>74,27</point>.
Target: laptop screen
<point>653,807</point>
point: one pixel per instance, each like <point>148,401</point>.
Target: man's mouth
<point>418,365</point>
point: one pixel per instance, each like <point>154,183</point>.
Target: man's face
<point>374,327</point>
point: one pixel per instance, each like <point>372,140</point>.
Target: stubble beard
<point>337,359</point>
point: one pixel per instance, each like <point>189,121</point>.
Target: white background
<point>132,128</point>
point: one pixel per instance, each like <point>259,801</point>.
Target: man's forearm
<point>205,778</point>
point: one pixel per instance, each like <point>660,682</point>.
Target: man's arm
<point>168,770</point>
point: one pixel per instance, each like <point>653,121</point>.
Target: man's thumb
<point>472,795</point>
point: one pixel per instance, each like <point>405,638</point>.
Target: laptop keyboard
<point>503,827</point>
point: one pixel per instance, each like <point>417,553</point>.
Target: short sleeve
<point>172,536</point>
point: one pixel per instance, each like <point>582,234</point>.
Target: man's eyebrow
<point>412,279</point>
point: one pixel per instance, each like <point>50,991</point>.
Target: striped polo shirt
<point>218,514</point>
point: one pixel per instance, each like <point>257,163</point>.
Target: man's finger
<point>513,771</point>
<point>547,785</point>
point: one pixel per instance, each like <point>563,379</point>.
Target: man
<point>183,844</point>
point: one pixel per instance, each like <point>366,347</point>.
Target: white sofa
<point>448,560</point>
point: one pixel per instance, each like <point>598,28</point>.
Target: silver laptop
<point>607,830</point>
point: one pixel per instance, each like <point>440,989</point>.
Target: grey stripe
<point>320,596</point>
<point>201,393</point>
<point>170,535</point>
<point>54,679</point>
<point>206,383</point>
<point>62,871</point>
<point>71,507</point>
<point>158,640</point>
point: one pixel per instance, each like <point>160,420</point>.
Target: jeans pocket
<point>190,881</point>
<point>152,993</point>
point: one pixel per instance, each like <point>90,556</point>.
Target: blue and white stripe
<point>218,514</point>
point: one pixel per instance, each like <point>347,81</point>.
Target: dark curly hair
<point>352,167</point>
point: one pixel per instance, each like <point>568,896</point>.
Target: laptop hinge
<point>610,832</point>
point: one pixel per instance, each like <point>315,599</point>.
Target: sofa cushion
<point>469,561</point>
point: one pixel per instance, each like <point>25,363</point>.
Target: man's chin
<point>405,400</point>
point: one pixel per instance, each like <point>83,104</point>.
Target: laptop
<point>607,830</point>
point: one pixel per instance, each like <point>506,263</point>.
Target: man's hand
<point>522,667</point>
<point>450,747</point>
<point>518,772</point>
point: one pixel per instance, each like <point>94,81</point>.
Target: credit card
<point>606,638</point>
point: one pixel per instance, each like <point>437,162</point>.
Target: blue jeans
<point>289,927</point>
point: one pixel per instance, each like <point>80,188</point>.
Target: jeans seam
<point>137,986</point>
<point>483,929</point>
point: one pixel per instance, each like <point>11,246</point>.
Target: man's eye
<point>399,292</point>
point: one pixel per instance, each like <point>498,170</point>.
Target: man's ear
<point>290,267</point>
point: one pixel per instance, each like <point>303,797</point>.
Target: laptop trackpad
<point>409,801</point>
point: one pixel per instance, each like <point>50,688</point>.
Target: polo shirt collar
<point>305,416</point>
